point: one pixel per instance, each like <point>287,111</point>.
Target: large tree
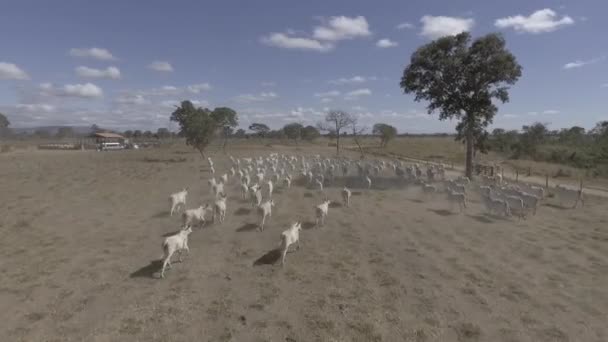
<point>460,79</point>
<point>293,131</point>
<point>195,124</point>
<point>386,133</point>
<point>310,133</point>
<point>335,122</point>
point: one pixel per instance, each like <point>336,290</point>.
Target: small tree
<point>356,132</point>
<point>196,125</point>
<point>128,134</point>
<point>386,133</point>
<point>163,133</point>
<point>147,134</point>
<point>260,129</point>
<point>226,119</point>
<point>461,79</point>
<point>4,123</point>
<point>335,122</point>
<point>293,131</point>
<point>310,133</point>
<point>240,133</point>
<point>96,129</point>
<point>137,134</point>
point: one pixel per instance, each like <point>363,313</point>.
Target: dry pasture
<point>82,232</point>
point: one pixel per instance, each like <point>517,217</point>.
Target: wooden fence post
<point>529,171</point>
<point>516,175</point>
<point>547,181</point>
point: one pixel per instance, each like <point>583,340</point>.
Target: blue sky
<point>124,64</point>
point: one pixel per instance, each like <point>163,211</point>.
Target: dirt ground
<point>81,236</point>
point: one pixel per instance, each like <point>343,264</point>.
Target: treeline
<point>572,146</point>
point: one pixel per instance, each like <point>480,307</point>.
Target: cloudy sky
<point>125,64</point>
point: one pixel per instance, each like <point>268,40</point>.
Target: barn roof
<point>109,135</point>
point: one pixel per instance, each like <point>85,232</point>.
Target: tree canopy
<point>259,128</point>
<point>310,133</point>
<point>460,79</point>
<point>4,123</point>
<point>163,133</point>
<point>386,133</point>
<point>196,125</point>
<point>199,125</point>
<point>293,131</point>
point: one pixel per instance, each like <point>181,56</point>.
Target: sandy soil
<point>81,235</point>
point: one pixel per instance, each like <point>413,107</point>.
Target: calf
<point>195,215</point>
<point>288,238</point>
<point>178,199</point>
<point>321,212</point>
<point>172,244</point>
<point>265,210</point>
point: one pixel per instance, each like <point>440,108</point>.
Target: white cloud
<point>342,28</point>
<point>264,96</point>
<point>169,88</point>
<point>36,107</point>
<point>268,84</point>
<point>510,116</point>
<point>87,90</point>
<point>161,66</point>
<point>580,63</point>
<point>435,27</point>
<point>326,100</point>
<point>96,53</point>
<point>109,72</point>
<point>323,37</point>
<point>352,80</point>
<point>551,111</point>
<point>131,99</point>
<point>405,26</point>
<point>284,41</point>
<point>332,93</point>
<point>197,88</point>
<point>541,21</point>
<point>605,85</point>
<point>386,43</point>
<point>10,71</point>
<point>357,93</point>
<point>532,113</point>
<point>303,111</point>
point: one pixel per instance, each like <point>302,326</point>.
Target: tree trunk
<point>202,152</point>
<point>469,158</point>
<point>337,142</point>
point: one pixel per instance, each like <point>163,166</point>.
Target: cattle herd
<point>258,177</point>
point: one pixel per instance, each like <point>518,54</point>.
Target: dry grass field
<point>81,242</point>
